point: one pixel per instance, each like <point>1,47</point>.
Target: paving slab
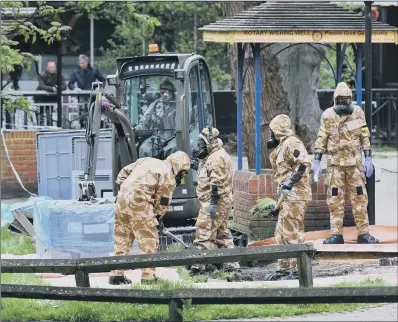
<point>100,280</point>
<point>386,312</point>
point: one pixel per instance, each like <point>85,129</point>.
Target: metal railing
<point>384,113</point>
<point>44,115</point>
<point>75,105</point>
<point>174,298</point>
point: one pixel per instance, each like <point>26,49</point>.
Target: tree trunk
<point>274,99</point>
<point>289,87</point>
<point>300,66</point>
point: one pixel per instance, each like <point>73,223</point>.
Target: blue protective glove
<point>316,166</point>
<point>316,169</point>
<point>285,188</point>
<point>212,211</point>
<point>368,167</point>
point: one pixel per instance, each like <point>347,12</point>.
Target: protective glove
<point>160,224</point>
<point>368,166</point>
<point>194,164</point>
<point>285,188</point>
<point>316,166</point>
<point>212,211</point>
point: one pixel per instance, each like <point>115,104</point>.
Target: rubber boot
<point>291,276</point>
<point>230,267</point>
<point>276,276</point>
<point>334,239</point>
<point>367,239</point>
<point>118,280</point>
<point>197,269</point>
<point>149,282</point>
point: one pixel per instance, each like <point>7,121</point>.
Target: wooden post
<point>82,279</point>
<point>304,266</point>
<point>175,310</point>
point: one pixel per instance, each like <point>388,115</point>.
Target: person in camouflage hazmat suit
<point>343,132</point>
<point>160,115</point>
<point>214,191</point>
<point>146,190</point>
<point>291,165</point>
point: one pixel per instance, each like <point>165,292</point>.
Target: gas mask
<point>200,151</point>
<point>343,105</point>
<point>165,95</point>
<point>272,142</point>
<point>179,177</point>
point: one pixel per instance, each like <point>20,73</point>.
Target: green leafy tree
<point>18,22</point>
<point>326,77</point>
<point>173,26</point>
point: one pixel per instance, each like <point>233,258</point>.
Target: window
<point>151,108</point>
<point>194,105</point>
<point>208,108</point>
<point>195,109</point>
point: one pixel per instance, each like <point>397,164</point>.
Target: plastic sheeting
<point>27,207</point>
<point>72,229</point>
<point>6,215</point>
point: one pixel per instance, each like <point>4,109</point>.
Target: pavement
<point>100,280</point>
<point>386,312</point>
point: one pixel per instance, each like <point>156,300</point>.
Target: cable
<point>12,166</point>
<point>391,171</point>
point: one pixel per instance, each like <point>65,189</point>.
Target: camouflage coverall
<point>159,116</point>
<point>146,190</point>
<point>285,160</point>
<point>214,170</point>
<point>342,137</point>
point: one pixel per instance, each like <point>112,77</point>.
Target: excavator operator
<point>160,115</point>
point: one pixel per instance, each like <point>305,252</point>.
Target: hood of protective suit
<point>342,89</point>
<point>281,126</point>
<point>213,142</point>
<point>179,161</point>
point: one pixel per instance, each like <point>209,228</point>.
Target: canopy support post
<point>358,58</point>
<point>338,63</point>
<point>239,103</point>
<point>257,75</point>
<point>368,106</point>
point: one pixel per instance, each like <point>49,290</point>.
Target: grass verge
<point>24,310</point>
<point>15,244</point>
<point>384,148</point>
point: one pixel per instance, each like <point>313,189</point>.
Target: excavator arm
<point>128,150</point>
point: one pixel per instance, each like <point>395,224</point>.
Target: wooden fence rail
<point>174,298</point>
<point>82,267</point>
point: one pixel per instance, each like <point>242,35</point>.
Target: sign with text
<point>298,36</point>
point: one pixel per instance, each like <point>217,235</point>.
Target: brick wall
<point>22,149</point>
<point>248,188</point>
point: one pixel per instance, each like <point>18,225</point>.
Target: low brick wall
<point>22,149</point>
<point>248,188</point>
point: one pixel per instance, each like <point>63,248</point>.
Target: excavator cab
<point>167,99</point>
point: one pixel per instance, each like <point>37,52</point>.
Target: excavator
<point>135,111</point>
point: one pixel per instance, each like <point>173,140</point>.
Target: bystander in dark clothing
<point>48,83</point>
<point>84,76</point>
